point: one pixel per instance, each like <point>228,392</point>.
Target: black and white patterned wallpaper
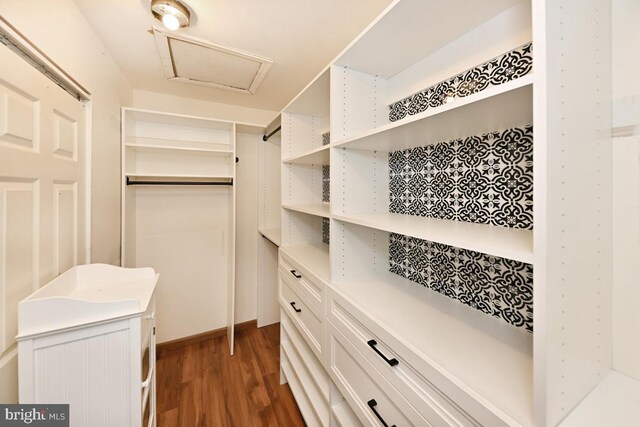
<point>325,230</point>
<point>484,179</point>
<point>326,138</point>
<point>326,171</point>
<point>504,68</point>
<point>499,287</point>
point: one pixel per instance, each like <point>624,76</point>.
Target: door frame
<point>27,50</point>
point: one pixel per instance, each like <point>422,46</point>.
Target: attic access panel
<point>197,62</point>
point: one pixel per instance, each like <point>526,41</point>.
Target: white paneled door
<point>42,194</point>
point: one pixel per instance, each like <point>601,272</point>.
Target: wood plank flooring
<point>200,385</point>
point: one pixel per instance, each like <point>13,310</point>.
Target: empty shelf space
<point>151,148</point>
<point>515,244</point>
<point>271,234</point>
<point>496,108</point>
<point>484,356</point>
<point>318,156</point>
<point>312,256</point>
<point>320,209</point>
<point>615,401</point>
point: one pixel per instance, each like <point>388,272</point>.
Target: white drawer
<point>320,377</point>
<point>370,395</point>
<point>419,383</point>
<point>307,320</point>
<point>306,282</point>
<point>313,378</point>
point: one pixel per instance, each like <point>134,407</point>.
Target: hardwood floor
<point>200,385</point>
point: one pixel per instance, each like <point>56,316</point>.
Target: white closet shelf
<point>320,209</point>
<point>271,234</point>
<point>150,148</point>
<point>615,401</point>
<point>313,256</point>
<point>313,100</point>
<point>515,244</point>
<point>317,156</point>
<point>412,30</point>
<point>485,356</point>
<point>496,108</point>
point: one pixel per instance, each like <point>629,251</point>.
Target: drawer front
<point>369,394</point>
<point>305,281</point>
<point>294,350</point>
<point>391,361</point>
<point>289,334</point>
<point>307,320</point>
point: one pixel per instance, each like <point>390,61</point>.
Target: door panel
<point>42,193</point>
<point>18,116</point>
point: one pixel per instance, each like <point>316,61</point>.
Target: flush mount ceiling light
<point>172,13</point>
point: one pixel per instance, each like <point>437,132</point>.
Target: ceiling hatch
<point>194,61</point>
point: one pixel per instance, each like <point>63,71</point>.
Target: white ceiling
<point>300,36</point>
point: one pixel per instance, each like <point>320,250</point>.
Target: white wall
<point>59,29</point>
<point>180,105</point>
<point>626,192</point>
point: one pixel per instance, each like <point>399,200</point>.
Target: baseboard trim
<point>203,336</point>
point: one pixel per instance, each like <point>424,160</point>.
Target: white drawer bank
<point>87,338</point>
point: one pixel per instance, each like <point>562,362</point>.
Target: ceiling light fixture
<point>173,13</point>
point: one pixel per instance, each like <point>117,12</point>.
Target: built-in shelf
<point>318,156</point>
<point>271,234</point>
<point>312,256</point>
<point>412,30</point>
<point>320,209</point>
<point>149,148</point>
<point>615,401</point>
<point>495,108</point>
<point>510,243</point>
<point>485,356</point>
<point>313,100</point>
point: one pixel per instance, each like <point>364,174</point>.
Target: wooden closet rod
<point>174,181</point>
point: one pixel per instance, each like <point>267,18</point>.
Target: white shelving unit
<point>268,310</point>
<point>453,363</point>
<point>178,215</point>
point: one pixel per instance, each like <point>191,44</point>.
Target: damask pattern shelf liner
<point>325,230</point>
<point>325,183</point>
<point>499,287</point>
<point>326,138</point>
<point>499,70</point>
<point>485,179</point>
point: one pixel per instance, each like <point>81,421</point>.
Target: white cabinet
<point>88,339</point>
<point>469,233</point>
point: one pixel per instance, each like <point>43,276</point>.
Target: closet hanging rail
<point>266,137</point>
<point>172,180</point>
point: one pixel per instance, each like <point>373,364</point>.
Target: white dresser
<point>87,338</point>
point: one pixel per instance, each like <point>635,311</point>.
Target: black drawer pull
<point>293,304</point>
<point>391,362</point>
<point>372,404</point>
<point>296,275</point>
